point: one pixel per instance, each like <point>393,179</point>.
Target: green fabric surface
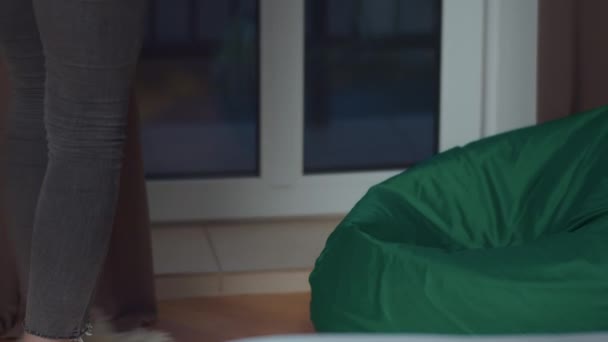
<point>505,235</point>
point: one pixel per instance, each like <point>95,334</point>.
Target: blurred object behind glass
<point>197,88</point>
<point>372,83</point>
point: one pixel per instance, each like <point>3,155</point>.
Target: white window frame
<point>469,76</point>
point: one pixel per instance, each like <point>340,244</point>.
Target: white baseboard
<point>229,284</point>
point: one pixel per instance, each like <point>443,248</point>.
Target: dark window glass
<point>197,88</point>
<point>372,83</point>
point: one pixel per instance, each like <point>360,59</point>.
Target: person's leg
<point>91,48</point>
<point>26,149</point>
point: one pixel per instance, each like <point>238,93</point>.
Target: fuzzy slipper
<point>103,332</point>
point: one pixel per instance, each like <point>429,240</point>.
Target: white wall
<point>510,65</point>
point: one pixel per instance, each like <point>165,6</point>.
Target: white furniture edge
<point>591,337</point>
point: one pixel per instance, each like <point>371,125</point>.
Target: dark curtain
<point>126,291</point>
<point>572,57</point>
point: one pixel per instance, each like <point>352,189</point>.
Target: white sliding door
<point>296,107</point>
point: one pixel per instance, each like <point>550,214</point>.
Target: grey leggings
<point>71,64</point>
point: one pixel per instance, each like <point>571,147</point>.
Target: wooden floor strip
<point>219,319</point>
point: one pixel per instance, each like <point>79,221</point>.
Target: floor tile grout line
<point>216,258</point>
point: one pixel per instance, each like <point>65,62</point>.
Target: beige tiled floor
<point>240,247</point>
<point>269,246</point>
<point>183,250</point>
<point>237,258</point>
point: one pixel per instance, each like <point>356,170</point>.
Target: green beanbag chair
<point>506,235</point>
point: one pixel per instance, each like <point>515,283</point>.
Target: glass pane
<point>197,89</point>
<point>372,83</point>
